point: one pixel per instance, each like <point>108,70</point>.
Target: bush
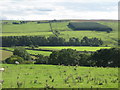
<point>65,56</point>
<point>106,57</point>
<point>13,58</point>
<point>22,53</point>
<point>28,62</point>
<point>41,59</point>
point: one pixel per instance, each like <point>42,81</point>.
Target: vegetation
<point>41,59</point>
<point>89,26</point>
<point>13,59</point>
<point>43,29</point>
<point>63,64</point>
<point>50,41</point>
<point>78,48</point>
<point>5,54</point>
<point>106,57</point>
<point>66,57</point>
<point>33,27</point>
<point>54,76</point>
<point>22,53</point>
<point>103,57</point>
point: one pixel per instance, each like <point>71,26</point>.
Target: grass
<point>47,53</point>
<point>40,76</point>
<point>33,52</point>
<point>33,29</point>
<point>28,34</point>
<point>5,54</point>
<point>109,39</point>
<point>78,48</point>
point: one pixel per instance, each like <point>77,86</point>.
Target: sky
<point>58,9</point>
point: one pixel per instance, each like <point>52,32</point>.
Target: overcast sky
<point>58,9</point>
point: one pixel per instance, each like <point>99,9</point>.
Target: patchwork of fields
<point>7,51</point>
<point>43,29</point>
<point>52,76</point>
<point>58,76</point>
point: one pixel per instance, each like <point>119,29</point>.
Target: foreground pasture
<point>53,76</point>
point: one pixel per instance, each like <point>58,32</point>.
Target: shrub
<point>106,57</point>
<point>65,56</point>
<point>28,62</point>
<point>13,58</point>
<point>22,53</point>
<point>41,59</point>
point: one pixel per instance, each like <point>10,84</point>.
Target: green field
<point>56,76</point>
<point>78,48</point>
<point>8,53</point>
<point>5,54</point>
<point>43,29</point>
<point>33,52</point>
<point>39,76</point>
<point>33,27</point>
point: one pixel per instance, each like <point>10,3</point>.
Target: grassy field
<point>43,29</point>
<point>5,54</point>
<point>78,48</point>
<point>33,52</point>
<point>33,27</point>
<point>40,76</point>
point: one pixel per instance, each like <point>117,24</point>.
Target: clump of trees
<point>21,52</point>
<point>85,41</point>
<point>101,58</point>
<point>13,59</point>
<point>20,55</point>
<point>41,59</point>
<point>94,26</point>
<point>106,57</point>
<point>8,41</point>
<point>65,56</point>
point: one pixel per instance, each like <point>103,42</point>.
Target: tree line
<point>8,41</point>
<point>103,57</point>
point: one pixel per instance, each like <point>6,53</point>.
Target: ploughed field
<point>53,76</point>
